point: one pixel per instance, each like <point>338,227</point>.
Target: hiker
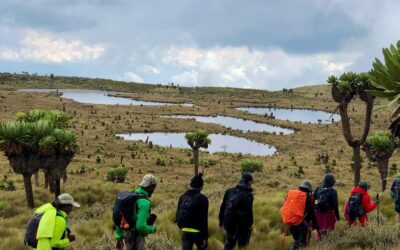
<point>52,231</point>
<point>395,194</point>
<point>236,213</point>
<point>141,221</point>
<point>192,215</point>
<point>359,205</point>
<point>298,213</point>
<point>327,205</point>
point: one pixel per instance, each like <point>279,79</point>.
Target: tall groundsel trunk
<point>57,187</point>
<point>357,164</point>
<point>196,160</point>
<point>28,190</point>
<point>36,174</point>
<point>383,170</point>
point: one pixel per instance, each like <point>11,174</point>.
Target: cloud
<point>149,69</point>
<point>47,48</point>
<point>132,77</point>
<point>187,77</point>
<point>241,67</point>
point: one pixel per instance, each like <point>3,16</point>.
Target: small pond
<point>219,143</point>
<point>101,97</point>
<point>295,115</point>
<point>236,123</point>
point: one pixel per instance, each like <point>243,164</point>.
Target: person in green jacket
<point>53,231</point>
<point>134,238</point>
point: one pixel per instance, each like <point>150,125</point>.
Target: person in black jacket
<point>327,205</point>
<point>302,232</point>
<point>236,213</point>
<point>192,215</point>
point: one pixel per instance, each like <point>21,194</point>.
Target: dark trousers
<point>190,239</point>
<point>133,240</point>
<point>301,235</point>
<point>238,235</point>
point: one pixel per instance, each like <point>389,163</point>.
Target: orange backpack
<point>293,208</point>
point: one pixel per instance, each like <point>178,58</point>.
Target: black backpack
<point>32,228</point>
<point>323,200</point>
<point>185,212</point>
<point>234,207</point>
<point>124,205</point>
<point>355,208</point>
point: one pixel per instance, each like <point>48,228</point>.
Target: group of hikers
<point>303,211</point>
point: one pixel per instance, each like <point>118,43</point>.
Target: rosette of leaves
<point>16,142</point>
<point>196,140</point>
<point>344,88</point>
<point>386,76</point>
<point>379,147</point>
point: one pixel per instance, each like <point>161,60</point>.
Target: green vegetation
<point>251,165</point>
<point>343,91</point>
<point>117,174</point>
<point>196,140</point>
<point>34,140</point>
<point>386,77</point>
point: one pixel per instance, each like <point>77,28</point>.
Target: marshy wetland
<point>99,127</point>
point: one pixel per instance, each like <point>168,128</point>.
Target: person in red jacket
<point>359,205</point>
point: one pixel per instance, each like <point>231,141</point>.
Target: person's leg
<point>199,242</point>
<point>187,241</point>
<point>140,242</point>
<point>300,235</point>
<point>243,237</point>
<point>129,239</point>
<point>230,241</point>
<point>363,220</point>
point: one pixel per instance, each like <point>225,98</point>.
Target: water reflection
<point>295,115</point>
<point>236,123</point>
<point>101,97</point>
<point>219,143</point>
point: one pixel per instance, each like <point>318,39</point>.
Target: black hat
<point>197,181</point>
<point>364,185</point>
<point>247,177</point>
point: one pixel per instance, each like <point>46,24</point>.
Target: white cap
<point>148,180</point>
<point>67,199</point>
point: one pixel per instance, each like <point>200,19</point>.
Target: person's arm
<point>311,211</point>
<point>204,217</point>
<point>59,229</point>
<point>367,205</point>
<point>315,194</point>
<point>248,210</point>
<point>177,209</point>
<point>142,214</point>
<point>222,209</point>
<point>393,190</point>
<point>335,204</point>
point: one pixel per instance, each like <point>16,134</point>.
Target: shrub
<point>381,140</point>
<point>117,174</point>
<point>250,165</point>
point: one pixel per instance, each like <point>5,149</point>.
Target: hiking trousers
<point>301,235</point>
<point>238,235</point>
<point>133,240</point>
<point>190,239</point>
<point>363,220</point>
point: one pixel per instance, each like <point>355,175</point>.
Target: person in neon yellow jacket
<point>53,230</point>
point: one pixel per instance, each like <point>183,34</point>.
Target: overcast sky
<point>261,44</point>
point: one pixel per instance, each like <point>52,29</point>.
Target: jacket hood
<point>243,186</point>
<point>359,190</point>
<point>45,208</point>
<point>329,181</point>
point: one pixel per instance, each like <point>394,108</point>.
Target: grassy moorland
<point>100,151</point>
